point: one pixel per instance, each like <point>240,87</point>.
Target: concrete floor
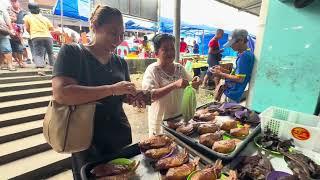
<point>138,121</point>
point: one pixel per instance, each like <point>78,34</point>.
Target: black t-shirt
<point>112,130</point>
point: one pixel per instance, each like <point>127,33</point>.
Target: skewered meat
<point>209,138</point>
<point>173,161</point>
<point>186,129</point>
<point>240,132</point>
<point>156,141</point>
<point>160,152</point>
<point>175,124</point>
<point>111,171</point>
<point>228,125</point>
<point>207,128</point>
<point>181,172</point>
<point>224,146</point>
<point>210,172</point>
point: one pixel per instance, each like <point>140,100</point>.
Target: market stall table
<point>277,161</point>
<point>297,155</point>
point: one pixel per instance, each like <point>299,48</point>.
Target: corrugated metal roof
<point>250,6</point>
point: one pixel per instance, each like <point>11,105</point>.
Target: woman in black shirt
<point>90,73</point>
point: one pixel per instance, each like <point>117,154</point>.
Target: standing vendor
<point>145,48</point>
<point>166,80</point>
<point>195,47</point>
<point>93,73</point>
<point>183,46</point>
<point>237,80</point>
<point>214,55</point>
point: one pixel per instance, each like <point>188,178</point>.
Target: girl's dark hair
<point>34,8</point>
<point>104,15</point>
<point>159,38</point>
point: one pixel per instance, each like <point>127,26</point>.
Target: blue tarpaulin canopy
<point>139,25</point>
<point>80,9</point>
<point>166,26</point>
<point>203,33</point>
<point>76,9</point>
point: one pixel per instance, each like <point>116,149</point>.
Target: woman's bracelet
<point>112,90</point>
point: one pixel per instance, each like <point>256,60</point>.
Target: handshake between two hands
<point>140,99</point>
<point>137,98</point>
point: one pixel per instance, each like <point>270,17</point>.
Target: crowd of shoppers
<point>20,29</point>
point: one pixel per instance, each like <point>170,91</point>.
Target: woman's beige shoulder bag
<point>69,129</point>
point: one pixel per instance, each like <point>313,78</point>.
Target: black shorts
<point>212,61</point>
<point>16,46</point>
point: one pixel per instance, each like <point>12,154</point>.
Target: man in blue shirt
<point>195,47</point>
<point>237,80</point>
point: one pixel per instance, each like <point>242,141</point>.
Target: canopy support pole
<point>176,30</point>
<point>202,42</point>
<point>61,14</point>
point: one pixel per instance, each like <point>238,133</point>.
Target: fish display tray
<point>193,140</point>
<point>145,171</point>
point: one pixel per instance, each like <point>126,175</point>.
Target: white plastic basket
<point>303,128</point>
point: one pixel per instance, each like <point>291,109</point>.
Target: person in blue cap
<point>237,80</point>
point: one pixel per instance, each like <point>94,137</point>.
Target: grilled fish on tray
<point>111,171</point>
<point>209,138</point>
<point>160,152</point>
<point>228,125</point>
<point>175,124</point>
<point>207,128</point>
<point>224,146</point>
<point>240,132</point>
<point>212,172</point>
<point>172,161</point>
<point>187,129</point>
<point>181,172</point>
<point>204,115</point>
<point>157,141</point>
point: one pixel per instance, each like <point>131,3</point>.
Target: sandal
<point>22,65</point>
<point>4,68</point>
<point>12,69</point>
<point>41,73</point>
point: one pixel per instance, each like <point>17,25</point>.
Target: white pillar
<point>176,24</point>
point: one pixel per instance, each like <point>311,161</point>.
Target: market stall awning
<point>76,9</point>
<point>132,24</point>
<point>250,6</point>
<point>166,26</point>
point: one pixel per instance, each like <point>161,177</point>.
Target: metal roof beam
<point>236,7</point>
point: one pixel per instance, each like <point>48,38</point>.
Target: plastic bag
<point>188,68</point>
<point>189,103</point>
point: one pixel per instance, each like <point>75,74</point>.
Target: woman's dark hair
<point>34,8</point>
<point>159,38</point>
<point>104,15</point>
